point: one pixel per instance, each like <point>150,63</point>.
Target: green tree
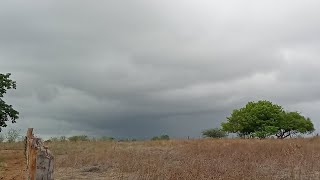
<point>6,111</point>
<point>162,137</point>
<point>263,118</point>
<point>214,133</point>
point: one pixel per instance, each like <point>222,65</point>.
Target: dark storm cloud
<point>141,68</point>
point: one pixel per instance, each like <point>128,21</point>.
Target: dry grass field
<point>175,159</point>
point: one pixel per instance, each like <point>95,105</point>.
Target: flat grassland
<point>174,159</point>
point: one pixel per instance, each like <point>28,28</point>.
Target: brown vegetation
<point>177,159</point>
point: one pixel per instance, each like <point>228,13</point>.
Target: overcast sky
<point>143,68</point>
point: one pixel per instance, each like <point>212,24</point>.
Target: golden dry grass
<point>188,159</point>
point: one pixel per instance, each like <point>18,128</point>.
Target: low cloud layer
<point>142,68</point>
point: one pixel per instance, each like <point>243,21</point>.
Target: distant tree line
<point>78,138</point>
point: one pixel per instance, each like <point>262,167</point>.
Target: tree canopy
<point>263,118</point>
<point>6,111</point>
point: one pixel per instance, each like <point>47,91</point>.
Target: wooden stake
<point>31,155</point>
<point>39,158</point>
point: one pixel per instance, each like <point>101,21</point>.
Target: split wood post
<point>39,158</point>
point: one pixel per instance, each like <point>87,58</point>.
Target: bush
<point>79,138</point>
<point>214,133</point>
<point>12,135</point>
<point>106,138</point>
<point>127,140</point>
<point>155,138</point>
<point>2,138</point>
<point>162,137</point>
<point>63,138</point>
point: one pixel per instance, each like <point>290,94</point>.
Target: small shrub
<point>63,138</point>
<point>214,133</point>
<point>48,141</point>
<point>155,138</point>
<point>106,138</point>
<point>79,138</point>
<point>127,140</point>
<point>12,135</point>
<point>2,138</point>
<point>162,137</point>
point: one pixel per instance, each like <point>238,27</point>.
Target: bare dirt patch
<point>13,165</point>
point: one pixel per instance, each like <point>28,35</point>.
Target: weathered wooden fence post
<point>39,158</point>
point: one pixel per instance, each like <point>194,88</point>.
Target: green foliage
<point>162,137</point>
<point>79,138</point>
<point>6,111</point>
<point>263,118</point>
<point>265,132</point>
<point>214,133</point>
<point>294,123</point>
<point>126,140</point>
<point>155,138</point>
<point>12,135</point>
<point>106,138</point>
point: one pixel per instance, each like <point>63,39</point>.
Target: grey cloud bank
<point>143,68</point>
